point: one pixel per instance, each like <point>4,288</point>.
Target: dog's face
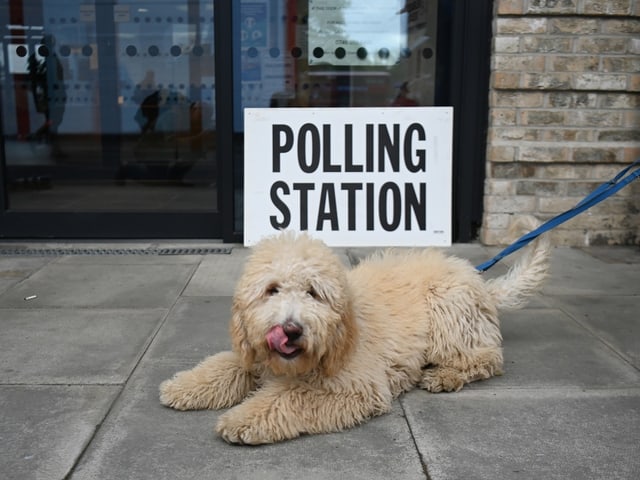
<point>292,310</point>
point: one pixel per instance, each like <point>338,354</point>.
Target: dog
<point>320,348</point>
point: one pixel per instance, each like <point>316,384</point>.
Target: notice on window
<point>342,32</point>
<point>253,31</point>
<point>350,176</point>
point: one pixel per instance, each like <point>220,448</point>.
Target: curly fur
<point>399,320</point>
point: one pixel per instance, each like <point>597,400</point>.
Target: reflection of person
<point>403,99</point>
<point>148,97</point>
<point>173,136</point>
<point>148,113</point>
<point>47,75</point>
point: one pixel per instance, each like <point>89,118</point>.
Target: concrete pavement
<point>85,340</point>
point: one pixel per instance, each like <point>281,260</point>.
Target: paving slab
<point>218,274</point>
<point>68,346</point>
<point>619,254</point>
<point>143,440</point>
<point>545,347</point>
<point>44,429</point>
<point>195,328</point>
<point>16,269</point>
<point>102,286</point>
<point>525,434</point>
<point>613,319</point>
<point>575,272</point>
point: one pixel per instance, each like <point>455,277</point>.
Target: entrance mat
<point>46,252</point>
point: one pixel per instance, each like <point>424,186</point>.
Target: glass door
<point>301,53</point>
<point>337,53</point>
<point>372,53</point>
<point>108,118</point>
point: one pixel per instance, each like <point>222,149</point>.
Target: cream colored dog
<point>319,348</point>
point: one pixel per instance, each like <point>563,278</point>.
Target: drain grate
<point>47,252</point>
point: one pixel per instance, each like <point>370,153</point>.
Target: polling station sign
<point>350,176</point>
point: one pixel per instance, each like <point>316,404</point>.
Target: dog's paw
<point>436,380</point>
<point>234,427</point>
<point>174,396</point>
<point>185,392</point>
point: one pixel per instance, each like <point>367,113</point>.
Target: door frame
<point>465,86</point>
<point>469,96</point>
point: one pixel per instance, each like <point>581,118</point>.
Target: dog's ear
<point>342,342</point>
<point>239,339</point>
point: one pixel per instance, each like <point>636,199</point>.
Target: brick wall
<point>564,116</point>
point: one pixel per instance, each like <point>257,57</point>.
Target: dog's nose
<point>292,329</point>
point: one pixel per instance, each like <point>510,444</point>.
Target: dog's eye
<point>272,290</point>
<point>313,294</point>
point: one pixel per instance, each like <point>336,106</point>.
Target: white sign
<point>350,176</point>
<point>342,32</point>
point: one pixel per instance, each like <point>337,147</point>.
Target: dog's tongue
<point>277,340</point>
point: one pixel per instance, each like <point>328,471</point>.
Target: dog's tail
<point>511,290</point>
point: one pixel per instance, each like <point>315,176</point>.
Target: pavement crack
<point>423,463</point>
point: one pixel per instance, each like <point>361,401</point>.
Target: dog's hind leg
<point>451,376</point>
<point>281,410</point>
<point>219,381</point>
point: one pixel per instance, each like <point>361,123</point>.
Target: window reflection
<point>338,53</point>
<point>108,105</point>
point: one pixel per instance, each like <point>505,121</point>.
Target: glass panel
<point>334,53</point>
<point>108,107</point>
<point>337,53</point>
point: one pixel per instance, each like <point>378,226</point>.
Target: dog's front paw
<point>219,381</point>
<point>174,395</point>
<point>240,432</point>
<point>235,427</point>
<point>186,392</point>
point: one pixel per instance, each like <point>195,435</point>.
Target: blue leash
<point>603,191</point>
